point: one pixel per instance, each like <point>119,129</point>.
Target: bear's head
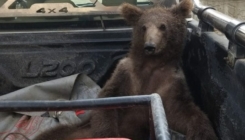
<point>157,30</point>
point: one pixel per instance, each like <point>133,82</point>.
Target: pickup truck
<point>43,40</point>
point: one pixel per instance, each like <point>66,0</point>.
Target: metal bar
<point>159,118</point>
<point>65,31</point>
<point>102,23</point>
<point>102,103</point>
<point>240,34</point>
<point>233,28</point>
<point>154,100</point>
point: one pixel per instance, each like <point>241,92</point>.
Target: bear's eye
<point>143,28</point>
<point>162,27</point>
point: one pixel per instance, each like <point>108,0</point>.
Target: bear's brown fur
<point>152,66</point>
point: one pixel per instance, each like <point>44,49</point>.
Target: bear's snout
<point>149,48</point>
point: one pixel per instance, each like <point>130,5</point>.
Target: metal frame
<point>232,28</point>
<point>159,123</point>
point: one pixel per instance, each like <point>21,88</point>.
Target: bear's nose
<point>149,48</point>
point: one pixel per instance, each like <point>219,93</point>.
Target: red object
<point>103,139</point>
<point>78,112</point>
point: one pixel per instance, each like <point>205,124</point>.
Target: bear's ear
<point>183,8</point>
<point>130,13</point>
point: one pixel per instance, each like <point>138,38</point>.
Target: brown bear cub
<point>152,66</point>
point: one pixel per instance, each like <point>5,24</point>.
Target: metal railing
<point>157,117</point>
<point>232,28</point>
